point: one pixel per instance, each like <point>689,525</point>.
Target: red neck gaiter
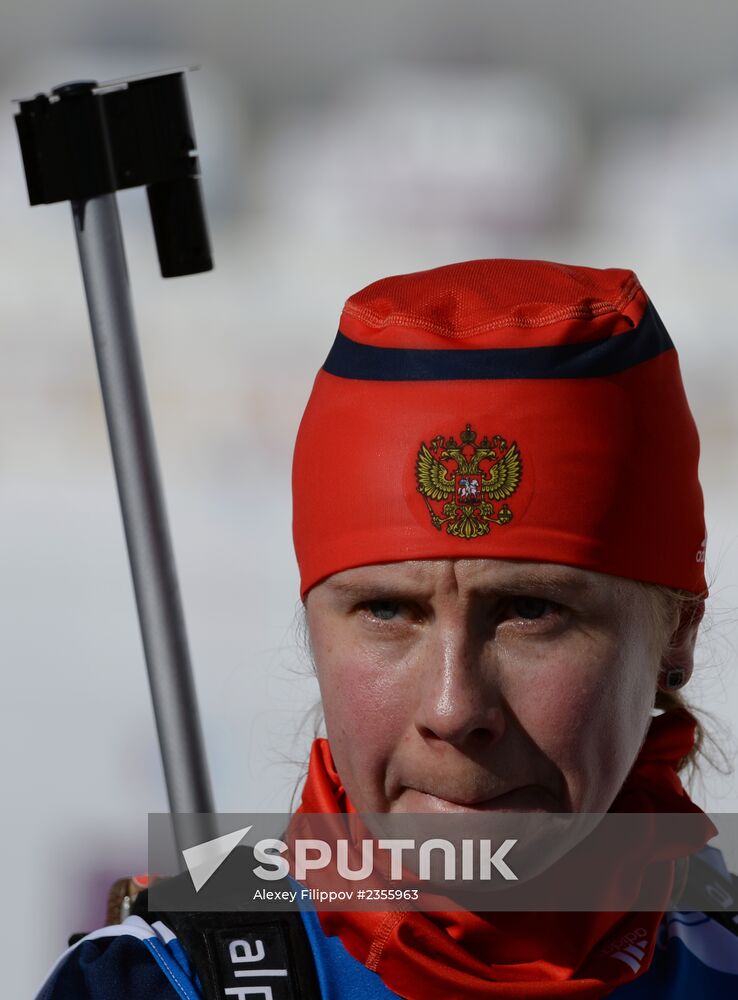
<point>460,955</point>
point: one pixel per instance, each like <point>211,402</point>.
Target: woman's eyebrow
<point>376,587</point>
<point>558,583</point>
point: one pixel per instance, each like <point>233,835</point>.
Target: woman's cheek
<point>563,708</point>
<point>366,715</point>
<point>360,700</point>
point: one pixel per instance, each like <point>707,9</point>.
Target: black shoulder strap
<point>253,955</point>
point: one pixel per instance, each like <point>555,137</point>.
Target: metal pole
<point>105,274</point>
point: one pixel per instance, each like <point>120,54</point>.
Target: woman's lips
<point>527,798</point>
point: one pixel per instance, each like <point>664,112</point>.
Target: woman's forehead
<point>478,575</point>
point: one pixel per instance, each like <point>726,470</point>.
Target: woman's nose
<point>458,698</point>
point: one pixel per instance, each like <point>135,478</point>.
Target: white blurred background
<point>339,143</point>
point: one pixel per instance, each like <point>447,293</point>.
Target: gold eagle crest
<point>480,473</point>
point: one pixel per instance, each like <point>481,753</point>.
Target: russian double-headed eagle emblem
<point>467,477</point>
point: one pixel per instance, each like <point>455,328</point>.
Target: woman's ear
<point>678,660</point>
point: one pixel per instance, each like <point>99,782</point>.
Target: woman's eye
<point>383,610</point>
<point>397,612</point>
<point>530,608</point>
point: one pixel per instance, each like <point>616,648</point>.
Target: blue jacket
<point>696,956</point>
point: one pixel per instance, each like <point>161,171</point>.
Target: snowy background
<point>339,144</point>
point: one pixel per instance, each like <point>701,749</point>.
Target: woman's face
<point>479,684</point>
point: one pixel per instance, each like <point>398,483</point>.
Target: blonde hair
<point>669,604</point>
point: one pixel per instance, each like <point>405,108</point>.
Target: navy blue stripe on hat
<point>591,359</point>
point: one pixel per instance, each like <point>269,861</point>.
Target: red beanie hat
<point>507,409</point>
